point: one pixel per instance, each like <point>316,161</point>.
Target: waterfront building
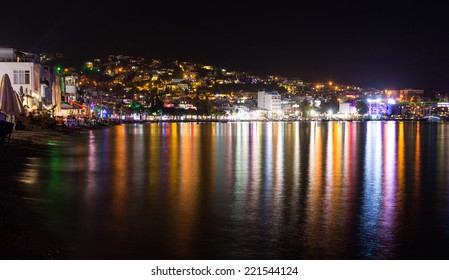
<point>376,108</point>
<point>269,100</point>
<point>37,84</point>
<point>347,108</point>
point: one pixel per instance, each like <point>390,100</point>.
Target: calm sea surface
<point>240,190</point>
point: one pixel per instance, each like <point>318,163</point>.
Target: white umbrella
<point>10,104</point>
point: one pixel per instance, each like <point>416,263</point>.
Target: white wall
<point>70,89</point>
<point>9,67</point>
<point>270,101</point>
<point>346,108</point>
<point>34,88</point>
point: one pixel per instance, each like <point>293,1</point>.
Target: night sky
<point>369,44</point>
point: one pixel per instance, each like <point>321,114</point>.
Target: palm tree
<point>361,107</point>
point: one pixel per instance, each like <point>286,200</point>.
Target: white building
<point>269,100</point>
<point>71,87</point>
<point>347,108</point>
<point>35,83</point>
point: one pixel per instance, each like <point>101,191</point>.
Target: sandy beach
<point>22,236</point>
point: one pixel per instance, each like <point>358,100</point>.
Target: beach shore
<point>22,235</point>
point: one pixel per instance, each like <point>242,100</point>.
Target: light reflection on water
<point>268,190</point>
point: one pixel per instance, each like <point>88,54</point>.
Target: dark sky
<point>369,44</point>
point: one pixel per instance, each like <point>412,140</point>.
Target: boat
<point>434,119</point>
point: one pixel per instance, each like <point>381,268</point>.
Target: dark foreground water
<point>312,190</point>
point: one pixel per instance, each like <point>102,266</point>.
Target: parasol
<point>10,104</point>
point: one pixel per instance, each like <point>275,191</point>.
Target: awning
<point>67,106</point>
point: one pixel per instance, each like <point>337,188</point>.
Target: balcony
<point>20,59</point>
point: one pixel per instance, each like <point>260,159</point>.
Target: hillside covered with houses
<point>127,88</point>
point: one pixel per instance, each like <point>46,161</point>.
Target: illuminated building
<point>36,83</point>
<point>347,108</point>
<point>269,100</point>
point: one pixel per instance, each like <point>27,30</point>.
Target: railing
<point>20,59</point>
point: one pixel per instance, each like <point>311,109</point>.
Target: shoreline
<point>22,232</point>
<point>286,121</point>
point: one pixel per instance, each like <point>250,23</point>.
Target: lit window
<point>21,76</point>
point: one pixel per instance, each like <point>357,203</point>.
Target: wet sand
<point>22,236</point>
